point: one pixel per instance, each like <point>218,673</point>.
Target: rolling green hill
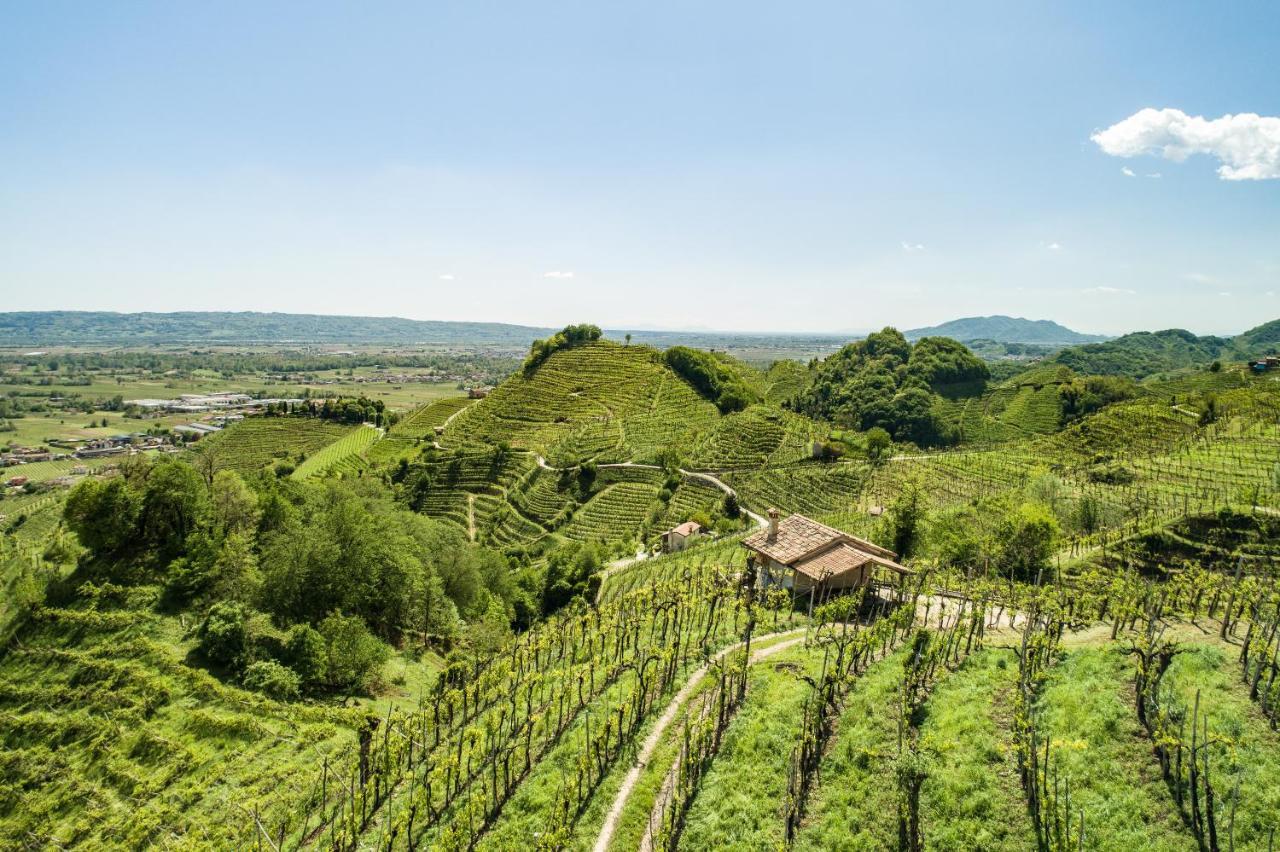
<point>602,401</point>
<point>1003,329</point>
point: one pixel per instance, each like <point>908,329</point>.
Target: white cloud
<point>1200,278</point>
<point>1128,172</point>
<point>1155,175</point>
<point>1109,291</point>
<point>912,247</point>
<point>1055,246</point>
<point>446,277</point>
<point>1271,294</point>
<point>558,273</point>
<point>1224,294</point>
<point>1247,145</point>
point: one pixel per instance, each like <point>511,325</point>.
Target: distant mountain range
<point>1004,329</point>
<point>244,327</point>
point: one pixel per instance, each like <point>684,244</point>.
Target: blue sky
<point>788,167</point>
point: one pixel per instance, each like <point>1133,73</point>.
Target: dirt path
<point>652,741</point>
<point>471,517</point>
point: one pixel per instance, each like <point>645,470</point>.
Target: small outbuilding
<point>678,538</point>
<point>801,554</point>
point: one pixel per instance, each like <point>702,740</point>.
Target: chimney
<point>773,524</point>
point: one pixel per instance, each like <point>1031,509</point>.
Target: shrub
<point>307,655</point>
<point>1028,537</point>
<point>224,634</point>
<point>354,654</point>
<point>272,680</point>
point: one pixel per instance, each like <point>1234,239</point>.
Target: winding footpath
<point>664,721</point>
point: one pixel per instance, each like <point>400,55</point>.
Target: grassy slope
<point>730,811</point>
<point>111,740</point>
<point>1088,712</point>
<point>1247,757</point>
<point>973,798</point>
<point>854,805</point>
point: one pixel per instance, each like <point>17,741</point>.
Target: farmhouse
<point>678,538</point>
<point>801,554</point>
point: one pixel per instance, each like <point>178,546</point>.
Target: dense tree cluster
<point>1145,353</point>
<point>342,570</point>
<point>348,410</point>
<point>1083,396</point>
<point>711,377</point>
<point>566,338</point>
<point>883,381</point>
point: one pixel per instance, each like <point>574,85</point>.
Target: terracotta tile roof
<point>831,561</point>
<point>688,528</point>
<point>807,546</point>
<point>797,536</point>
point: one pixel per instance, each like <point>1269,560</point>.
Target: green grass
<point>972,798</point>
<point>1087,711</point>
<point>854,804</point>
<point>739,802</point>
<point>1245,759</point>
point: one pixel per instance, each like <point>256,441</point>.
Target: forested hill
<point>81,327</point>
<point>1145,353</point>
<point>1004,329</point>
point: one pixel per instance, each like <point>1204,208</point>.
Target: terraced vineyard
<point>600,400</point>
<point>44,471</point>
<point>259,441</point>
<point>810,488</point>
<point>422,421</point>
<point>153,750</point>
<point>343,457</point>
<point>758,436</point>
<point>613,514</point>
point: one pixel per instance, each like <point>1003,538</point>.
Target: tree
<point>104,515</point>
<point>355,656</point>
<point>1088,514</point>
<point>308,655</point>
<point>905,519</point>
<point>233,504</point>
<point>1028,537</point>
<point>628,336</point>
<point>207,458</point>
<point>878,443</point>
<point>234,575</point>
<point>173,503</point>
<point>224,634</point>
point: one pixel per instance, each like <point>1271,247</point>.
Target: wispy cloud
<point>912,247</point>
<point>1200,278</point>
<point>446,277</point>
<point>1246,145</point>
<point>1224,294</point>
<point>1109,291</point>
<point>558,273</point>
<point>1053,246</point>
<point>1128,172</point>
